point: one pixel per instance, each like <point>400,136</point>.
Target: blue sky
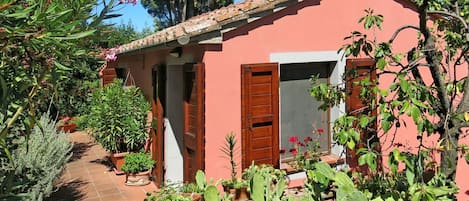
<point>136,14</point>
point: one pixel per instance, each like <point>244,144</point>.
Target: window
<point>299,113</point>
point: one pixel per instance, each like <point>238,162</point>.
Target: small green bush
<point>138,162</point>
<point>118,117</point>
<point>38,163</point>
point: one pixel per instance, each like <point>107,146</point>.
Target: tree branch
<point>450,15</point>
<point>396,33</point>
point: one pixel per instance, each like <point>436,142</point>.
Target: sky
<point>136,14</point>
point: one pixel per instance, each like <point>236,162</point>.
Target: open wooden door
<point>194,120</point>
<point>260,114</point>
<point>157,131</point>
<point>356,70</point>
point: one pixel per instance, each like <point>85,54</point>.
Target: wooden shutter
<point>194,120</point>
<point>356,70</point>
<point>260,114</point>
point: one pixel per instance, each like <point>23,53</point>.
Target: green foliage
<point>435,104</point>
<point>138,162</point>
<point>265,186</point>
<point>118,117</point>
<point>229,150</point>
<point>190,188</point>
<point>200,179</point>
<point>38,163</point>
<point>166,193</point>
<point>211,193</point>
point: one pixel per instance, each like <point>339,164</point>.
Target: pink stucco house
<point>245,69</point>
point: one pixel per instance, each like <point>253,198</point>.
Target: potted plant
<point>137,167</point>
<point>191,190</point>
<point>118,120</point>
<point>66,124</point>
<point>234,186</point>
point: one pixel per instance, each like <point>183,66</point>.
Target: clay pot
<point>118,161</point>
<point>137,179</point>
<point>193,196</point>
<point>68,128</point>
<point>241,194</point>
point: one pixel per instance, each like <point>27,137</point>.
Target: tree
<point>171,12</point>
<point>442,51</point>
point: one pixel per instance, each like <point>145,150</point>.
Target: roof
<point>215,21</point>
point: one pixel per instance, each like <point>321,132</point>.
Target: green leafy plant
<point>118,117</point>
<point>229,150</point>
<point>138,162</point>
<point>264,189</point>
<point>37,164</point>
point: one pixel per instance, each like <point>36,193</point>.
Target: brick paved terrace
<point>88,176</point>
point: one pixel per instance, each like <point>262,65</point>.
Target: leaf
<point>211,193</point>
<point>75,36</point>
<point>200,179</point>
<point>410,176</point>
<point>364,121</point>
<point>324,170</point>
<point>342,180</point>
<point>381,63</point>
<point>61,67</point>
<point>257,193</point>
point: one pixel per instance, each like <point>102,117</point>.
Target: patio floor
<point>89,177</point>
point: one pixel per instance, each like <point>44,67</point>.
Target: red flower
<point>293,139</point>
<point>301,144</point>
<point>293,151</point>
<point>320,130</point>
<point>308,139</point>
<point>306,154</point>
<point>467,192</point>
<point>282,151</point>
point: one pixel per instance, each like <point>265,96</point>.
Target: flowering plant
<point>306,152</point>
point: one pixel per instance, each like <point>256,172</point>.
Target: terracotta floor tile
<point>92,199</point>
<point>108,192</point>
<point>88,176</point>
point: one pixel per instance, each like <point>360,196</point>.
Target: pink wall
<point>302,27</point>
<point>305,26</point>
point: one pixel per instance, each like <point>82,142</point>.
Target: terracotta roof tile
<point>202,23</point>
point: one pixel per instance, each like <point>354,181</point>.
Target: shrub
<point>138,162</point>
<point>118,117</point>
<point>38,163</point>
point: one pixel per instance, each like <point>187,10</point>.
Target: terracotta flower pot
<point>117,160</point>
<point>193,196</point>
<point>68,127</point>
<point>242,194</point>
<point>137,179</point>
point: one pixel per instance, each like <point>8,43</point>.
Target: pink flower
<point>293,151</point>
<point>320,130</point>
<point>301,144</point>
<point>306,154</point>
<point>293,139</point>
<point>308,139</point>
<point>111,54</point>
